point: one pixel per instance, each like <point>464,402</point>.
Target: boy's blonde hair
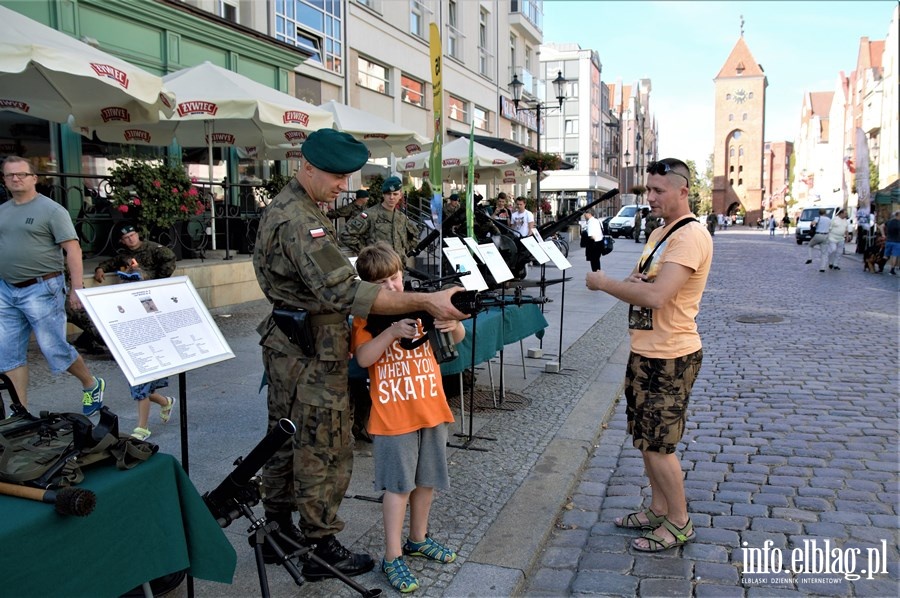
<point>378,261</point>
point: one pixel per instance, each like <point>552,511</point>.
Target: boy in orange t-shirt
<point>408,423</point>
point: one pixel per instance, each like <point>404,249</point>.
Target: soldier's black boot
<point>332,552</point>
<point>288,530</point>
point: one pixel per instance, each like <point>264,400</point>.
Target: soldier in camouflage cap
<point>383,222</point>
<point>351,209</point>
<point>299,266</point>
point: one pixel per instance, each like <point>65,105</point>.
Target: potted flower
<point>153,195</point>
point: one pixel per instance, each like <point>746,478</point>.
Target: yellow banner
<point>435,159</point>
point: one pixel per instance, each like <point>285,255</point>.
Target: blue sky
<point>681,46</point>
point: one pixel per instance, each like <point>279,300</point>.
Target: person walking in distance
<point>837,233</point>
<point>306,345</point>
<point>820,239</point>
<point>35,231</point>
<point>666,350</point>
<point>594,231</point>
<point>409,430</point>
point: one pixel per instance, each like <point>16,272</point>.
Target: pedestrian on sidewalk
<point>594,231</point>
<point>785,225</point>
<point>820,239</point>
<point>313,287</point>
<point>34,233</point>
<point>666,350</point>
<point>891,234</point>
<point>837,234</point>
<point>771,224</point>
<point>408,422</point>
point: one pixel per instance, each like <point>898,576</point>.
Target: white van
<point>806,218</point>
<point>622,224</point>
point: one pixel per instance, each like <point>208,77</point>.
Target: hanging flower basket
<point>540,162</point>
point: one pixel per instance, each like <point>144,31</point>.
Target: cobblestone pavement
<point>791,447</point>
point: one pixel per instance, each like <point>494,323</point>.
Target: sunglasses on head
<point>661,168</point>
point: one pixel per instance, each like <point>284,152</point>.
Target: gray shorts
<point>408,461</point>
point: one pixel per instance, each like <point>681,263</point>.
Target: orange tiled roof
<point>740,63</point>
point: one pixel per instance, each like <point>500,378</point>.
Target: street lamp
<point>559,88</point>
<point>627,157</point>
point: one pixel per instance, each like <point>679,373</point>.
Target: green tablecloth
<point>149,522</point>
<point>518,322</point>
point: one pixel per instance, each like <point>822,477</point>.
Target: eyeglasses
<point>663,169</point>
<point>17,175</point>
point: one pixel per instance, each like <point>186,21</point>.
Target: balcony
<point>533,88</point>
<point>526,17</point>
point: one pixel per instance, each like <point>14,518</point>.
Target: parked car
<point>622,224</point>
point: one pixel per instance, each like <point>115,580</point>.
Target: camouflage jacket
<point>346,211</point>
<point>298,264</point>
<point>155,260</point>
<point>377,224</point>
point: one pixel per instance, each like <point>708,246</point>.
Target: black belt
<point>31,281</point>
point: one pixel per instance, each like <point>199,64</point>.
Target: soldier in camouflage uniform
<point>348,211</point>
<point>299,266</point>
<point>154,261</point>
<point>383,222</point>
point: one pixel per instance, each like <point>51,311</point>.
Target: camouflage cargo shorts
<point>657,393</point>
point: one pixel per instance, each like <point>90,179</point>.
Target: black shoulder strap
<point>646,262</point>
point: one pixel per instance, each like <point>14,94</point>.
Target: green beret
<point>334,151</point>
<point>454,197</point>
<point>362,194</point>
<point>391,184</point>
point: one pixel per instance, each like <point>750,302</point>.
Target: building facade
<point>739,133</point>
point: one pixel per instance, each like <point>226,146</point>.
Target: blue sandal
<point>399,575</point>
<point>430,550</point>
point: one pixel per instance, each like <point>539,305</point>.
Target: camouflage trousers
<point>657,393</point>
<point>80,318</point>
<point>311,473</point>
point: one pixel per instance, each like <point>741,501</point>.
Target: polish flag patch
<point>363,215</point>
<point>316,233</point>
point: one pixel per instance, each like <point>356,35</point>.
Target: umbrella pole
<point>210,129</point>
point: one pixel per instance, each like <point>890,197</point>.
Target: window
<point>571,126</point>
<point>512,53</point>
<point>314,25</point>
<point>750,95</point>
<point>731,152</point>
<point>741,151</point>
<point>458,109</point>
<point>228,10</point>
<point>727,96</point>
<point>744,116</point>
<point>373,76</point>
<point>528,59</point>
<point>412,91</point>
<point>484,55</point>
<point>480,118</point>
<point>572,159</point>
<point>730,117</point>
<point>737,134</point>
<point>417,18</point>
<point>454,35</point>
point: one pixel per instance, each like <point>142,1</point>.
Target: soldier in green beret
<point>452,205</point>
<point>348,211</point>
<point>383,222</point>
<point>299,266</point>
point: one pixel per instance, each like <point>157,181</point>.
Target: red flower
<point>192,192</point>
<point>157,184</point>
<point>123,208</point>
<point>200,209</point>
<point>183,208</point>
<point>136,201</point>
<point>175,190</point>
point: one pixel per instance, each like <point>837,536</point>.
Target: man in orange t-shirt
<point>666,351</point>
<point>408,422</point>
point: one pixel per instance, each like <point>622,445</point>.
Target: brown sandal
<point>631,520</point>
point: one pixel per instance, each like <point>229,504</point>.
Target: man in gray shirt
<point>34,231</point>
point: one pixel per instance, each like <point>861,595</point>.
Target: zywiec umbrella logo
<point>197,107</point>
<point>295,117</point>
<point>375,136</point>
<point>221,138</point>
<point>293,154</point>
<point>165,100</point>
<point>498,161</point>
<point>410,165</point>
<point>111,72</point>
<point>295,136</point>
<point>137,135</point>
<point>413,148</point>
<point>451,162</point>
<point>14,105</point>
<point>115,113</point>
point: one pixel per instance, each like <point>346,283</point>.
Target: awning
<point>507,146</point>
<point>888,195</point>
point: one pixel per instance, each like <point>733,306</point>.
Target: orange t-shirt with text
<point>406,387</point>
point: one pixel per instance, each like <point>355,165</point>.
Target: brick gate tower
<point>739,134</point>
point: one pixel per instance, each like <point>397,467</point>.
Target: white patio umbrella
<point>47,74</point>
<point>218,107</point>
<point>381,136</point>
<point>455,158</point>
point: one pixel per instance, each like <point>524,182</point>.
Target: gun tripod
<point>239,492</point>
<point>269,534</point>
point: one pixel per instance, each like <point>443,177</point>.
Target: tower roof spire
<point>742,25</point>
